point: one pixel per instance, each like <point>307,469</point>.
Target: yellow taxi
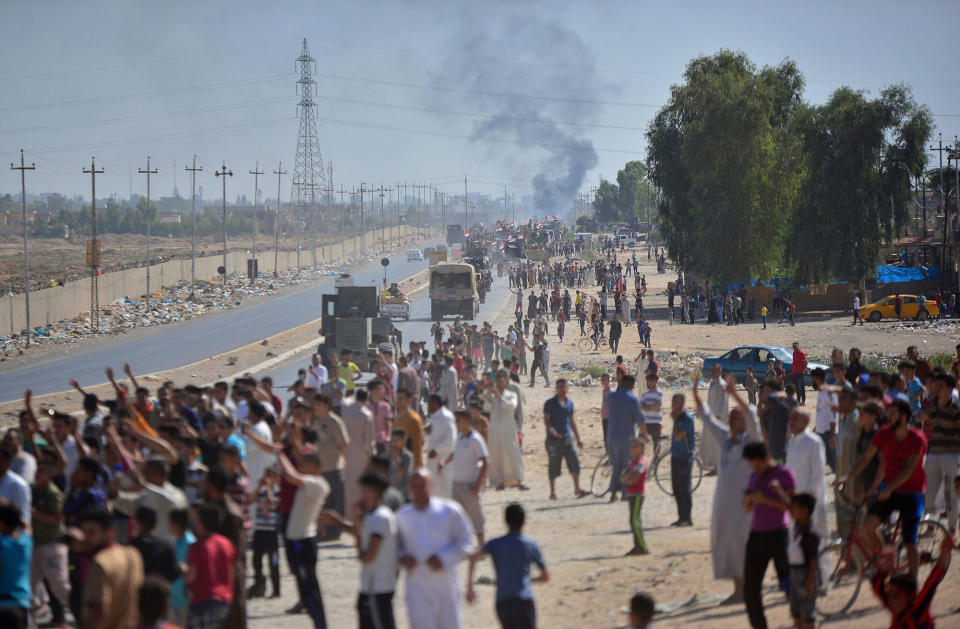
<point>886,308</point>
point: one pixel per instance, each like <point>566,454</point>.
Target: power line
<point>161,138</point>
<point>351,101</point>
<point>350,123</point>
<point>140,95</point>
<point>172,114</point>
<point>475,92</point>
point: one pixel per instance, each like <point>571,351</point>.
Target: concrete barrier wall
<point>66,302</point>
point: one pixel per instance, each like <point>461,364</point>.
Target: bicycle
<point>662,471</point>
<point>844,560</point>
<point>603,470</point>
<point>586,344</point>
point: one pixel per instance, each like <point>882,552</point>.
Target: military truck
<point>453,291</point>
<point>351,320</point>
<point>455,235</point>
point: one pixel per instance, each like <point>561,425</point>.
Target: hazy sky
<point>121,80</point>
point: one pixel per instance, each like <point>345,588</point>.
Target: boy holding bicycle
<point>802,550</point>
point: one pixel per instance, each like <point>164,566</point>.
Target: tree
<point>606,202</point>
<point>723,156</point>
<point>860,155</point>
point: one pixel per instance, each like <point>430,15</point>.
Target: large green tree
<point>723,156</point>
<point>860,154</point>
<point>626,199</point>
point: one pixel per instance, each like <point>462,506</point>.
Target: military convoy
<point>453,291</point>
<point>352,320</point>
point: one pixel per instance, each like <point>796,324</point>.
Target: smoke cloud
<point>528,55</point>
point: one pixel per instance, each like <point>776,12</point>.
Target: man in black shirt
<point>616,330</point>
<point>159,557</point>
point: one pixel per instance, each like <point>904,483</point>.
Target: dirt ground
<point>584,540</point>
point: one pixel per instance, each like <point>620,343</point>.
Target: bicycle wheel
<point>585,344</point>
<point>662,473</point>
<point>930,536</point>
<point>600,479</point>
<point>843,566</point>
<point>696,474</point>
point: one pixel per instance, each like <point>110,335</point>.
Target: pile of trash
<point>944,326</point>
<point>676,371</point>
<point>168,305</point>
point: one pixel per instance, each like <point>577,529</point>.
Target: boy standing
<point>375,528</point>
<point>469,470</point>
<point>265,542</point>
<point>633,480</point>
<point>401,463</point>
<point>802,554</point>
<point>210,573</point>
<point>512,555</point>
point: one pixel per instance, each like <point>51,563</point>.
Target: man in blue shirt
<point>682,451</point>
<point>561,432</point>
<point>908,371</point>
<point>512,555</point>
<point>625,413</point>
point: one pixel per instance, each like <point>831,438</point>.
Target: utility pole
<point>93,249</point>
<point>193,170</point>
<point>23,168</point>
<point>363,236</point>
<point>343,213</point>
<point>943,246</point>
<point>383,232</point>
<point>504,204</point>
<point>466,206</point>
<point>256,172</point>
<point>148,172</point>
<point>223,172</point>
<point>276,227</point>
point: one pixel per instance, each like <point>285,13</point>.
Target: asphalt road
<point>168,348</point>
<point>416,329</point>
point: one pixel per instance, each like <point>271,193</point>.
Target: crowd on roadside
<point>180,501</point>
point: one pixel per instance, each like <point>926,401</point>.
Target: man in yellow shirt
<point>349,370</point>
<point>763,315</point>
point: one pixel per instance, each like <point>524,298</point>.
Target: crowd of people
<point>175,505</point>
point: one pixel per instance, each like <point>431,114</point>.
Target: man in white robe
<point>435,536</point>
<point>505,463</point>
<point>441,437</point>
<point>807,457</point>
<point>358,421</point>
<point>730,526</point>
<point>449,385</point>
<point>720,408</point>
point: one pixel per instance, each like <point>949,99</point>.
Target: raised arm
<point>156,443</point>
<point>133,380</point>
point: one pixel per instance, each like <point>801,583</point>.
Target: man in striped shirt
<point>943,447</point>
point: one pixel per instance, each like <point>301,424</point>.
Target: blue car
<point>737,360</point>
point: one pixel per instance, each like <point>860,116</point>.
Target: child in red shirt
<point>911,608</point>
<point>210,573</point>
<point>633,480</point>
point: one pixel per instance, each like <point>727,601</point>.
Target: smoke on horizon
<point>535,56</point>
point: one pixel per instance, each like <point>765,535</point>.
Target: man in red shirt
<point>798,369</point>
<point>210,563</point>
<point>902,449</point>
<point>621,369</point>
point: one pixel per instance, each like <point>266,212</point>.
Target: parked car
<point>414,254</point>
<point>738,359</point>
<point>885,308</point>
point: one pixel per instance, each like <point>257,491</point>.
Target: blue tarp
<point>888,274</point>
